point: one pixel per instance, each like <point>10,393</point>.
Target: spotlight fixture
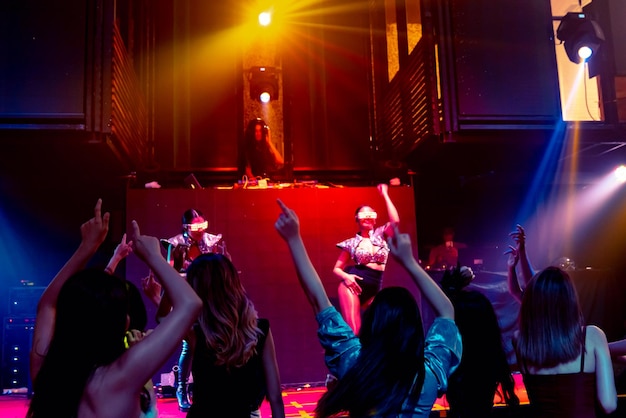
<point>264,84</point>
<point>620,173</point>
<point>265,18</point>
<point>581,36</point>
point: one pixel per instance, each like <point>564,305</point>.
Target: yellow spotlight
<point>620,173</point>
<point>265,18</point>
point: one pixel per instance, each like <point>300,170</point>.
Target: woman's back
<point>567,390</point>
<point>234,365</point>
<point>221,391</point>
<point>576,388</point>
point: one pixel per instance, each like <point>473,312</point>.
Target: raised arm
<point>175,257</point>
<point>618,351</point>
<point>511,274</point>
<point>141,361</point>
<point>121,251</point>
<point>93,232</point>
<point>517,254</point>
<point>526,270</point>
<point>392,212</point>
<point>278,158</point>
<point>400,246</point>
<point>288,226</point>
<point>151,288</point>
<point>272,378</point>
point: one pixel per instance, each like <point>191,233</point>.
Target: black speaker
<point>610,14</point>
<point>504,61</point>
<point>17,335</point>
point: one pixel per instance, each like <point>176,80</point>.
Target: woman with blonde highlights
<point>234,366</point>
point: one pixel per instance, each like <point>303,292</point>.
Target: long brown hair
<point>228,318</point>
<point>550,321</point>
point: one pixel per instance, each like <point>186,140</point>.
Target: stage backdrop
<point>246,219</point>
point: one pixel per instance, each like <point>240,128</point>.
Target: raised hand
<point>519,236</point>
<point>383,189</point>
<point>400,245</point>
<point>121,251</point>
<point>513,258</point>
<point>94,231</point>
<point>288,227</point>
<point>287,224</point>
<point>123,248</point>
<point>144,246</point>
<point>151,288</point>
<point>517,254</point>
<point>402,250</point>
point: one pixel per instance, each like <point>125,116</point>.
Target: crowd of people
<point>93,357</point>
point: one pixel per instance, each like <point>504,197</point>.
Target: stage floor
<point>299,402</point>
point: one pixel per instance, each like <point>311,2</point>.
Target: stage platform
<point>299,402</point>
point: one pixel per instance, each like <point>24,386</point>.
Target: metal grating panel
<point>129,117</point>
<point>407,114</point>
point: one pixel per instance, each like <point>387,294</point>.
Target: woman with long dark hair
<point>79,363</point>
<point>473,385</point>
<point>566,365</point>
<point>390,369</point>
<point>259,156</point>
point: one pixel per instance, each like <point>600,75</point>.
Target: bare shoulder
<point>105,397</point>
<point>595,336</point>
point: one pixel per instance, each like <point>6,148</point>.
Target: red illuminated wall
<point>246,219</point>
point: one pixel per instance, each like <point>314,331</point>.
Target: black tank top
<point>571,395</point>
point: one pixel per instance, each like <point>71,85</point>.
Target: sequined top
<point>442,355</point>
<point>208,244</point>
<point>362,255</point>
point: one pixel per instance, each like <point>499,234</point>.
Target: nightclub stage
<point>246,220</point>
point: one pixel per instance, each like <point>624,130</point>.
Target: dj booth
<point>245,217</point>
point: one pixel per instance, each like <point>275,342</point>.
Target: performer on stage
<point>182,249</point>
<point>259,156</point>
<point>445,255</point>
<point>362,261</point>
<point>391,369</point>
